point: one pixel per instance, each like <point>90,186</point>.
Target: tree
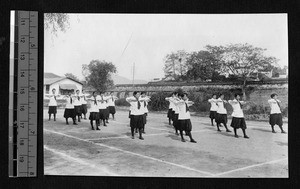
<point>175,65</point>
<point>242,60</point>
<point>201,66</point>
<point>70,75</point>
<point>98,74</point>
<point>56,21</point>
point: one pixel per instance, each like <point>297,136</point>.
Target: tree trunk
<point>244,89</point>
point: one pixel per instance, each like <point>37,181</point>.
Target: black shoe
<point>193,141</point>
<point>84,118</point>
<point>219,130</point>
<point>228,131</point>
<point>246,136</point>
<point>132,137</point>
<point>78,120</point>
<point>98,128</point>
<point>107,122</point>
<point>105,125</point>
<point>141,138</point>
<point>176,133</point>
<point>283,132</point>
<point>273,131</point>
<point>182,140</point>
<point>75,124</point>
<point>67,123</point>
<point>54,119</point>
<point>236,136</point>
<point>143,132</point>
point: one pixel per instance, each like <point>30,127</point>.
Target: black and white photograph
<point>166,95</point>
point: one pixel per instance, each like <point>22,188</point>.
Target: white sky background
<point>104,37</point>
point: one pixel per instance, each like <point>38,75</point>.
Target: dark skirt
<point>175,121</point>
<point>69,113</point>
<point>185,125</point>
<point>213,114</point>
<point>129,116</point>
<point>144,118</point>
<point>77,110</point>
<point>136,121</point>
<point>237,122</point>
<point>106,113</point>
<point>169,115</point>
<point>221,118</point>
<point>112,109</point>
<point>102,113</point>
<point>84,109</point>
<point>276,119</point>
<point>94,116</point>
<point>52,110</point>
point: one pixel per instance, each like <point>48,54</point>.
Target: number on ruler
<point>22,39</point>
<point>21,159</point>
<point>22,108</point>
<point>21,142</point>
<point>31,173</point>
<point>22,125</point>
<point>32,132</point>
<point>23,22</point>
<point>22,74</point>
<point>32,45</point>
<point>22,57</point>
<point>22,91</point>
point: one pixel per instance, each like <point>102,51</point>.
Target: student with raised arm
<point>94,111</point>
<point>83,101</point>
<point>144,100</point>
<point>238,120</point>
<point>171,110</point>
<point>221,113</point>
<point>102,106</point>
<point>275,114</point>
<point>69,109</point>
<point>136,114</point>
<point>111,105</point>
<point>52,106</point>
<point>184,122</point>
<point>77,104</point>
<point>213,108</point>
<point>174,100</point>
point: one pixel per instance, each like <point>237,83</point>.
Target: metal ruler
<point>24,132</point>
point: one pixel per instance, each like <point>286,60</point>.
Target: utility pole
<point>133,68</point>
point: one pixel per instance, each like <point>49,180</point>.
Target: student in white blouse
<point>102,106</point>
<point>94,111</point>
<point>275,114</point>
<point>221,113</point>
<point>52,104</point>
<point>213,108</point>
<point>83,101</point>
<point>69,109</point>
<point>184,122</point>
<point>171,110</point>
<point>238,120</point>
<point>136,113</point>
<point>77,104</point>
<point>174,101</point>
<point>144,100</point>
<point>111,104</point>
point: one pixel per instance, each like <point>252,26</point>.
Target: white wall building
<point>62,85</point>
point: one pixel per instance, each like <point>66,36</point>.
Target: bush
<point>158,102</point>
<point>121,102</point>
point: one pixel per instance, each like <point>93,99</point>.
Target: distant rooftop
<point>51,75</point>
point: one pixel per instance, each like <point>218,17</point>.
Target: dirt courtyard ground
<point>78,150</point>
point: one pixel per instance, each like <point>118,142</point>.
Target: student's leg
<point>235,134</point>
<point>78,117</point>
<point>191,138</point>
<point>212,121</point>
<point>181,134</point>
<point>104,124</point>
<point>227,130</point>
<point>113,115</point>
<point>91,121</point>
<point>273,131</point>
<point>54,115</point>
<point>67,121</point>
<point>132,132</point>
<point>218,126</point>
<point>244,132</point>
<point>140,132</point>
<point>49,116</point>
<point>74,121</point>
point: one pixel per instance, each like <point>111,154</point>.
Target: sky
<point>145,39</point>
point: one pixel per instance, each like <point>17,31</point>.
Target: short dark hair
<point>77,90</point>
<point>274,94</point>
<point>237,94</point>
<point>220,94</point>
<point>213,95</point>
<point>94,92</point>
<point>144,92</point>
<point>175,93</point>
<point>101,92</point>
<point>135,92</point>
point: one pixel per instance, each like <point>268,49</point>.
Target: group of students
<point>218,113</point>
<point>76,106</point>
